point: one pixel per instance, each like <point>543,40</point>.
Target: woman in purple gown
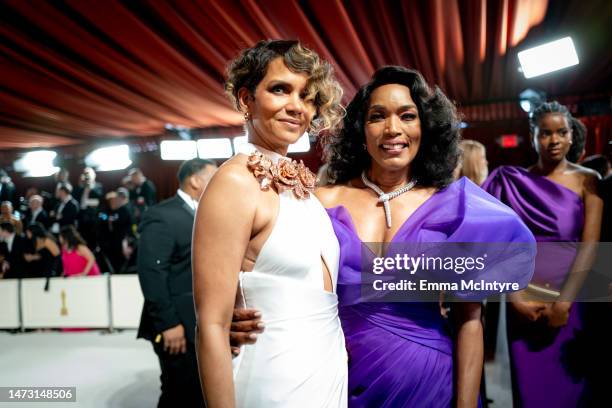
<point>400,137</point>
<point>400,133</point>
<point>558,201</point>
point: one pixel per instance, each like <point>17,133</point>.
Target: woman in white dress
<point>261,239</point>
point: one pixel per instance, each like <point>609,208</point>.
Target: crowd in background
<point>74,230</point>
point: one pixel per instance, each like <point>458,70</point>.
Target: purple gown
<point>543,360</point>
<point>401,354</point>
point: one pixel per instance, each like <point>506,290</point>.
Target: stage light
<point>109,158</point>
<point>529,99</point>
<point>38,163</point>
<point>301,146</point>
<point>526,106</point>
<point>220,148</point>
<point>178,149</point>
<point>548,57</point>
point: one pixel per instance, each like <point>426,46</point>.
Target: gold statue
<point>64,310</point>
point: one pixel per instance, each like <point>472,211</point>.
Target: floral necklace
<point>285,174</point>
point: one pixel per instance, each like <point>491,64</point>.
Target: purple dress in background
<point>543,359</point>
<point>401,354</point>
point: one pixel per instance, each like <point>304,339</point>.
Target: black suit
<point>42,217</point>
<point>68,214</point>
<point>14,257</point>
<point>7,192</point>
<point>88,214</point>
<point>164,269</point>
<point>118,228</point>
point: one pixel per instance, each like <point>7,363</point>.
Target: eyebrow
<point>404,107</point>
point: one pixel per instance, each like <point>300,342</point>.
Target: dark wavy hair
<point>71,237</point>
<point>440,131</point>
<point>39,231</point>
<point>579,134</point>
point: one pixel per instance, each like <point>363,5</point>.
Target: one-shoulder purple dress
<point>401,354</point>
<point>543,371</point>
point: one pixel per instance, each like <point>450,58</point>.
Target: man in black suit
<point>36,212</point>
<point>7,188</point>
<point>143,193</point>
<point>89,195</point>
<point>67,209</point>
<point>117,228</point>
<point>164,268</point>
<point>12,248</point>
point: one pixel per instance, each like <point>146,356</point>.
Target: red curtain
<point>80,71</point>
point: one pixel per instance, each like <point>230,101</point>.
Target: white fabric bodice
<point>300,358</point>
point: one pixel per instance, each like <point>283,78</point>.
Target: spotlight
<point>178,149</point>
<point>38,163</point>
<point>220,148</point>
<point>109,158</point>
<point>529,99</point>
<point>548,57</point>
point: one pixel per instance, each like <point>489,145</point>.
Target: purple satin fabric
<point>400,354</point>
<point>544,360</point>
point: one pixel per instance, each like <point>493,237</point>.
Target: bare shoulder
<point>332,194</point>
<point>233,178</point>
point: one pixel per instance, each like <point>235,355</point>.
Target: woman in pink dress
<point>77,258</point>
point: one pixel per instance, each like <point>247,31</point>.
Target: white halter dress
<point>300,359</point>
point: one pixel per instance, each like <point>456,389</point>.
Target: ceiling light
<point>109,158</point>
<point>548,57</point>
<point>178,149</point>
<point>38,163</point>
<point>220,148</point>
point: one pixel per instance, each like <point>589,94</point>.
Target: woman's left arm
<point>469,352</point>
<point>89,256</point>
<point>587,250</point>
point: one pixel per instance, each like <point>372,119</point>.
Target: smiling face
<point>280,110</point>
<point>392,128</point>
<point>552,137</point>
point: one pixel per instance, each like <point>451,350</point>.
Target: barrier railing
<point>107,301</point>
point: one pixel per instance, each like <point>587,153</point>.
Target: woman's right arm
<point>223,227</point>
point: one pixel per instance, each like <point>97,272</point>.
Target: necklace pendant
<point>387,208</point>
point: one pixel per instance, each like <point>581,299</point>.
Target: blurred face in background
<point>6,209</point>
<point>88,176</point>
<point>35,202</point>
<point>474,164</point>
<point>137,178</point>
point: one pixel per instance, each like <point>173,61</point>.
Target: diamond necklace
<point>384,198</point>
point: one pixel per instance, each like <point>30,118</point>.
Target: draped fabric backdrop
<point>77,71</point>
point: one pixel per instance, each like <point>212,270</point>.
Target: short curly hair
<point>440,129</point>
<point>250,67</point>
